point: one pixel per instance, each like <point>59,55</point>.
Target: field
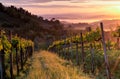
<point>47,65</point>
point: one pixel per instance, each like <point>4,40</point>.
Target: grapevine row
<point>87,41</point>
<point>14,51</point>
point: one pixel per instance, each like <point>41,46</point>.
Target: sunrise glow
<point>71,10</point>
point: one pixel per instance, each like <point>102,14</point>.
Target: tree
<point>1,7</point>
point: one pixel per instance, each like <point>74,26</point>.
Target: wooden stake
<point>105,54</point>
<point>82,50</point>
<point>11,56</point>
<point>17,65</point>
<point>77,57</point>
<point>21,58</point>
<point>92,54</point>
<point>2,58</point>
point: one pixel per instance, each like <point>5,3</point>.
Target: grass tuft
<point>47,65</point>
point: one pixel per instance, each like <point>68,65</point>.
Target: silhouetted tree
<point>1,7</point>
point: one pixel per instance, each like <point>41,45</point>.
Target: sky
<point>70,10</point>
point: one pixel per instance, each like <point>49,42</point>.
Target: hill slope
<point>47,65</point>
<point>108,25</point>
<point>27,25</point>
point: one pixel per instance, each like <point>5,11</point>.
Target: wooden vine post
<point>62,52</point>
<point>92,58</point>
<point>61,48</point>
<point>21,58</point>
<point>82,49</point>
<point>17,65</point>
<point>32,51</point>
<point>2,64</point>
<point>68,55</point>
<point>71,48</point>
<point>1,76</point>
<point>105,54</point>
<point>27,53</point>
<point>65,51</point>
<point>11,56</point>
<point>77,57</point>
<point>92,54</point>
<point>64,47</point>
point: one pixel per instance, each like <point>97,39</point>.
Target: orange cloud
<point>71,9</point>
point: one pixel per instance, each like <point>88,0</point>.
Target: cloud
<point>49,6</point>
<point>47,0</point>
<point>81,16</point>
<point>54,6</point>
<point>43,1</point>
<point>29,1</point>
<point>69,9</point>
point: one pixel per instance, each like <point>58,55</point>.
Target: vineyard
<point>39,41</point>
<point>14,53</point>
<point>91,52</point>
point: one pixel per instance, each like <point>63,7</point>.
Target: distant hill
<point>30,26</point>
<point>27,25</point>
<point>109,25</point>
<point>77,26</point>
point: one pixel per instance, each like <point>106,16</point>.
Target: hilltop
<point>109,25</point>
<point>27,25</point>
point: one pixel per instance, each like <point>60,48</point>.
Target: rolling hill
<point>109,25</point>
<point>27,25</point>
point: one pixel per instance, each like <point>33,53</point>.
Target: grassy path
<point>47,65</point>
